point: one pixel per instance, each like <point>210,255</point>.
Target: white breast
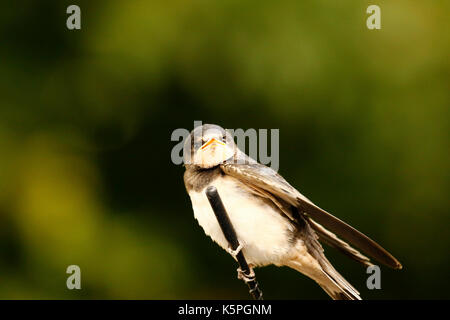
<point>262,230</point>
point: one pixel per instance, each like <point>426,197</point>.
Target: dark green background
<point>86,118</point>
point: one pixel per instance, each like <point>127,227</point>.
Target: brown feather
<point>256,175</point>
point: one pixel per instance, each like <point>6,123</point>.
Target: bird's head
<point>208,146</point>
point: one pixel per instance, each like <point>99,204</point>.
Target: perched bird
<point>275,223</point>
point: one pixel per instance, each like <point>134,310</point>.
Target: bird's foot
<point>234,253</point>
<point>246,277</point>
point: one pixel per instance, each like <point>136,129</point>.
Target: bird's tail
<point>339,289</point>
<point>328,278</point>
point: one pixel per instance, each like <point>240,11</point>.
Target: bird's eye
<point>224,138</point>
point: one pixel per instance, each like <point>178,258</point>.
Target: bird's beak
<point>212,143</point>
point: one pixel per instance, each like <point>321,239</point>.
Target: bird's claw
<point>234,253</point>
<point>246,277</point>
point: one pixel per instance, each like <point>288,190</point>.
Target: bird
<point>275,224</point>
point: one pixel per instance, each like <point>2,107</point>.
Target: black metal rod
<point>230,234</point>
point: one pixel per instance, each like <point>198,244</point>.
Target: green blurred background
<point>86,118</point>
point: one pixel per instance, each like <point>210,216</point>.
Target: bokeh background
<point>86,117</point>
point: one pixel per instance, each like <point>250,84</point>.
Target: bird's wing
<point>262,177</point>
<point>332,240</point>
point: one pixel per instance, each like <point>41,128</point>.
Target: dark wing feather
<point>260,176</point>
<point>332,240</point>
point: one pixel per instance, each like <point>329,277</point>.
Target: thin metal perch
<point>244,272</point>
